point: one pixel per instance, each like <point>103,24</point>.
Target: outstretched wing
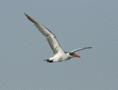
<point>51,38</point>
<point>81,49</point>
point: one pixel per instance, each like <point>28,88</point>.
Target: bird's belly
<point>60,57</point>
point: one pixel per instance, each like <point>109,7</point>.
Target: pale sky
<point>77,24</point>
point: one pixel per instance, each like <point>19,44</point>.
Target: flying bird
<point>59,53</point>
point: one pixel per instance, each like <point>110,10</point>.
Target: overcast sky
<point>77,24</point>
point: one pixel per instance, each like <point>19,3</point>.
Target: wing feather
<point>81,49</point>
<point>51,38</point>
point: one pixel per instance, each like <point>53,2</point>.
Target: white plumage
<point>59,53</point>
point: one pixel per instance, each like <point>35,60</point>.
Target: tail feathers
<point>49,61</point>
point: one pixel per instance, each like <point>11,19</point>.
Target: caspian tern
<point>59,53</point>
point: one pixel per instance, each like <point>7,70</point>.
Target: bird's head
<point>74,54</point>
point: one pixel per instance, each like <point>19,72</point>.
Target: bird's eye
<point>71,53</point>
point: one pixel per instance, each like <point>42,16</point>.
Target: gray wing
<point>81,49</point>
<point>51,38</point>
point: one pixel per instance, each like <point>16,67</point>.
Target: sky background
<point>77,24</point>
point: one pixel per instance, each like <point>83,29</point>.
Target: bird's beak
<point>77,55</point>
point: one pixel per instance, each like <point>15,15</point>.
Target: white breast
<point>60,57</point>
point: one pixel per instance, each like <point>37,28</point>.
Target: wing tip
<point>26,15</point>
<point>89,47</point>
<point>30,18</point>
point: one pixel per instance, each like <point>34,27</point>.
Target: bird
<point>59,53</point>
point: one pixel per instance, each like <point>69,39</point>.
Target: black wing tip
<point>30,18</point>
<point>26,15</point>
<point>89,47</point>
